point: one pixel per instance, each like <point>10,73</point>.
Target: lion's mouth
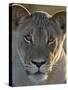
<point>36,73</point>
<point>37,77</point>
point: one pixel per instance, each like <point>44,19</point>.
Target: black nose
<point>38,64</point>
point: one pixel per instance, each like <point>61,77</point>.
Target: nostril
<point>38,64</point>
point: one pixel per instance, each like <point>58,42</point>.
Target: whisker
<point>25,68</point>
<point>54,66</point>
<point>27,65</point>
<point>47,65</point>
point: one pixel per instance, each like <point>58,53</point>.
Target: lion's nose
<point>38,64</point>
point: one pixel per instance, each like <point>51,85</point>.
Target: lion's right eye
<point>28,38</point>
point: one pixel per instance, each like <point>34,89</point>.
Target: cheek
<point>52,47</point>
<point>44,68</point>
<point>57,48</point>
<point>31,68</point>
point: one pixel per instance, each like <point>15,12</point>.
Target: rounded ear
<point>18,12</point>
<point>60,19</point>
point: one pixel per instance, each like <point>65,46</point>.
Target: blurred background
<point>46,8</point>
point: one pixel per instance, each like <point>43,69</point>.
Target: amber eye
<point>50,39</point>
<point>28,38</point>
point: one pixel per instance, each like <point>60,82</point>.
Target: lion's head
<point>39,40</point>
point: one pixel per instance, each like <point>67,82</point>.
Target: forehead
<point>42,21</point>
<point>37,21</point>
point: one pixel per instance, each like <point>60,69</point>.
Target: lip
<point>37,73</point>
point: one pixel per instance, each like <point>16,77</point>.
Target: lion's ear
<point>60,19</point>
<point>18,12</point>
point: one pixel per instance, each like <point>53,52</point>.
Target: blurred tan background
<point>46,8</point>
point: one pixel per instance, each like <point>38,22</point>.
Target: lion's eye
<point>28,38</point>
<point>51,39</point>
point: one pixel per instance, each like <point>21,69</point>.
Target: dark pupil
<point>28,37</point>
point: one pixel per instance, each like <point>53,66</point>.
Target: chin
<point>37,78</point>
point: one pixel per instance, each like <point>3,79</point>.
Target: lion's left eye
<point>51,39</point>
<point>28,38</point>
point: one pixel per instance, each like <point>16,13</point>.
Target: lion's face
<point>39,45</point>
<point>39,42</point>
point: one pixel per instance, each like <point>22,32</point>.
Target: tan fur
<point>57,65</point>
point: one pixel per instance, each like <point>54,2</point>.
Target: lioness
<point>40,57</point>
